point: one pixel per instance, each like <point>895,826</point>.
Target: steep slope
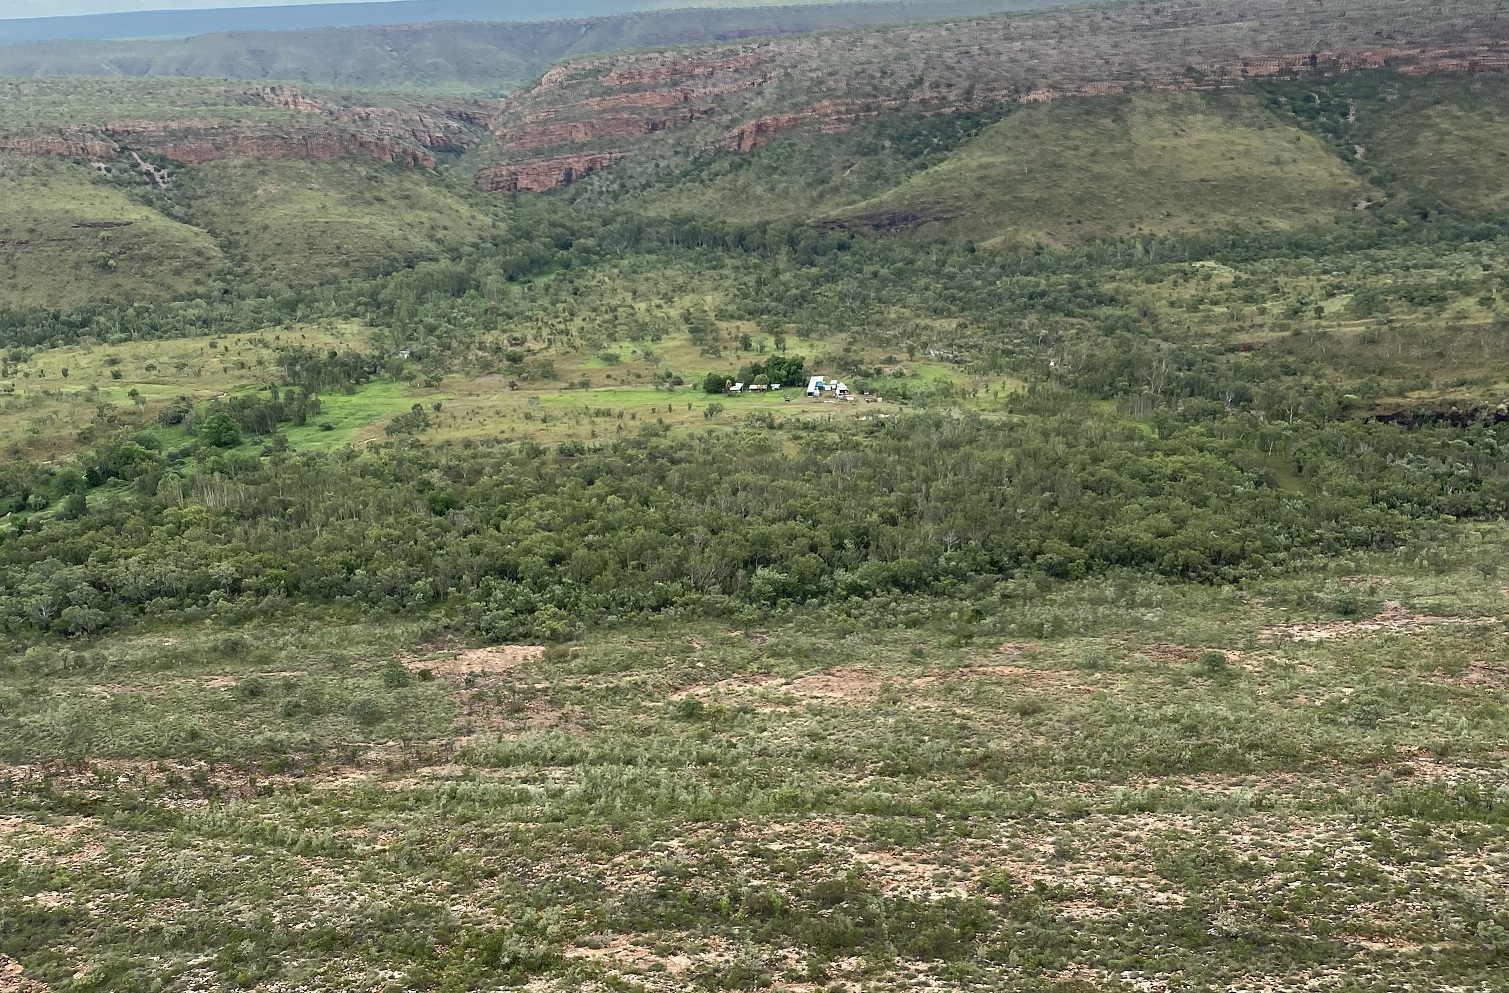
<point>297,222</point>
<point>72,234</point>
<point>197,121</point>
<point>1110,167</point>
<point>294,186</point>
<point>66,240</point>
<point>802,174</point>
<point>1440,141</point>
<point>655,109</point>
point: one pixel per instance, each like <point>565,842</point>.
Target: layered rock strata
<point>587,114</point>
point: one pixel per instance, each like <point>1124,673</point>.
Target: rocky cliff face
<point>540,175</point>
<point>59,145</point>
<point>737,98</point>
<point>277,122</point>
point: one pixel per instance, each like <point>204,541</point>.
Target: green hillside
<point>32,106</point>
<point>1076,170</point>
<point>71,236</point>
<point>804,174</point>
<point>298,222</point>
<point>1443,139</point>
<point>67,239</point>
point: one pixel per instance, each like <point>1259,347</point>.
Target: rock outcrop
<point>549,134</point>
<point>94,148</point>
<point>540,175</point>
<point>276,122</point>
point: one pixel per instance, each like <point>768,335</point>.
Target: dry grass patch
<point>1393,619</point>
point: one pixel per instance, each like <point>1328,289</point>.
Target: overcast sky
<point>58,8</point>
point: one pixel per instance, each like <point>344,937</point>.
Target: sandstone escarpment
<point>662,70</point>
<point>274,122</point>
<point>59,145</point>
<point>547,135</point>
<point>741,97</point>
<point>440,128</point>
<point>544,174</point>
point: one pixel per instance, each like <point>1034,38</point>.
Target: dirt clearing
<point>1393,619</point>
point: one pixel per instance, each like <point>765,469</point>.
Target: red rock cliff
<point>747,95</point>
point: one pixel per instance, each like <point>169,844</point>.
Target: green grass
<point>806,175</point>
<point>1076,170</point>
<point>1445,139</point>
<point>43,412</point>
<point>342,415</point>
<point>283,222</point>
<point>297,222</point>
<point>47,260</point>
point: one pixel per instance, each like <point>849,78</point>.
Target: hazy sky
<point>59,8</point>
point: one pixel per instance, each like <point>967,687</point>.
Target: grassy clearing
<point>1296,782</point>
<point>485,408</point>
<point>1075,170</point>
<point>50,413</point>
<point>130,382</point>
<point>585,356</point>
<point>345,418</point>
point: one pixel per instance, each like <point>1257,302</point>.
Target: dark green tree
<point>220,431</point>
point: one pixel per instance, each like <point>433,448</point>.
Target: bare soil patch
<point>978,671</point>
<point>622,952</point>
<point>1393,619</point>
<point>1020,675</point>
<point>847,684</point>
<point>477,662</point>
<point>489,700</point>
<point>1477,675</point>
<point>12,979</point>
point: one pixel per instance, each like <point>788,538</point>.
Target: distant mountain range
<point>485,58</point>
<point>292,17</point>
<point>185,23</point>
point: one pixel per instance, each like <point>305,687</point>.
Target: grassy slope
<point>801,175</point>
<point>1446,138</point>
<point>1081,169</point>
<point>61,265</point>
<point>302,221</point>
<point>286,221</point>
